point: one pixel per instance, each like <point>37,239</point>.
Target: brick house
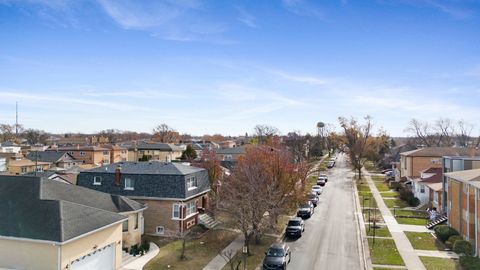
<point>425,187</point>
<point>153,150</point>
<point>56,158</point>
<point>463,199</point>
<point>172,191</point>
<point>88,154</point>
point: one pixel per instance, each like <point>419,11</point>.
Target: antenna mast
<point>16,119</point>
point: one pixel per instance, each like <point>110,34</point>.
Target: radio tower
<point>16,119</point>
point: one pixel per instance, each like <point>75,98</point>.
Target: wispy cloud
<point>147,94</point>
<point>456,9</point>
<point>302,8</point>
<point>300,78</point>
<point>246,18</point>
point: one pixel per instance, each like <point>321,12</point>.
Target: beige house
<point>22,166</point>
<point>117,153</point>
<point>138,151</point>
<point>88,154</point>
<point>412,163</point>
<point>51,225</point>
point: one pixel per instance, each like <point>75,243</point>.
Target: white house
<point>9,147</point>
<point>420,186</point>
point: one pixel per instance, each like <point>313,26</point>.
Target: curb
<point>361,232</point>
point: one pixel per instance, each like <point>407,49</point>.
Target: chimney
<point>118,175</point>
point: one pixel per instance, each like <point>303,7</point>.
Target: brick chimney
<point>118,175</point>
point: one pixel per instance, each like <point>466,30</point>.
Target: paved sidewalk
<point>415,228</point>
<point>409,256</point>
<point>219,262</point>
<point>139,263</point>
<point>437,254</point>
<point>388,266</point>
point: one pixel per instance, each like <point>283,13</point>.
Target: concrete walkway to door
<point>408,254</point>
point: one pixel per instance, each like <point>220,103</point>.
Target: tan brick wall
<point>133,236</point>
<point>455,213</point>
<point>423,163</point>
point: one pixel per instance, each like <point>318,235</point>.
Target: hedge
<point>463,247</point>
<point>451,240</point>
<point>444,232</point>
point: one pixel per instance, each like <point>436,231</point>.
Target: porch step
<point>208,221</point>
<point>438,221</point>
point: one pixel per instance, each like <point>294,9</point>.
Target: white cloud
<point>302,8</point>
<point>300,78</point>
<point>246,18</point>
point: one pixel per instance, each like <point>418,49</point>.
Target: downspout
<point>59,257</point>
<point>476,223</point>
<point>468,211</point>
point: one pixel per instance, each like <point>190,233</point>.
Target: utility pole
<point>16,120</point>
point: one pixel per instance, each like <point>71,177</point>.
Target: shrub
<point>469,263</point>
<point>145,246</point>
<point>395,185</point>
<point>463,247</point>
<point>444,232</point>
<point>407,195</point>
<point>451,240</point>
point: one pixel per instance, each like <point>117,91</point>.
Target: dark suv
<point>305,210</point>
<point>295,227</point>
<point>277,257</point>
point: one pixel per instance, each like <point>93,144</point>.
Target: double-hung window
<point>129,184</point>
<point>192,183</point>
<point>176,211</point>
<point>125,226</point>
<point>97,180</point>
<point>191,208</point>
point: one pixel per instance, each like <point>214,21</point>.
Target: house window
<point>129,184</point>
<point>160,230</point>
<point>97,180</point>
<point>82,153</point>
<point>135,224</point>
<point>105,153</point>
<point>227,157</point>
<point>422,188</point>
<point>192,183</point>
<point>125,226</point>
<point>191,208</point>
<point>24,169</point>
<point>176,211</point>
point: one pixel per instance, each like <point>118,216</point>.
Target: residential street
<point>330,238</point>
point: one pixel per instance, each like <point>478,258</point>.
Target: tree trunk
<point>247,242</point>
<point>182,256</point>
<point>360,173</point>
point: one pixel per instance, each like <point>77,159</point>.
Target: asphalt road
<point>330,237</point>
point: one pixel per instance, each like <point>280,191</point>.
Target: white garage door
<point>102,258</point>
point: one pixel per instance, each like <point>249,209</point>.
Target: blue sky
<point>225,66</point>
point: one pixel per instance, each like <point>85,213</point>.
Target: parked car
<point>277,257</point>
<point>386,170</point>
<point>313,199</point>
<point>317,189</point>
<point>331,164</point>
<point>324,176</point>
<point>306,210</point>
<point>321,181</point>
<point>295,227</point>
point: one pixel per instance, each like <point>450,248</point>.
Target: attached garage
<point>102,258</point>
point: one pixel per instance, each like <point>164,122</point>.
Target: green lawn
<point>401,212</point>
<point>257,254</point>
<point>378,178</point>
<point>381,186</point>
<point>380,232</point>
<point>395,203</point>
<point>412,221</point>
<point>364,193</point>
<point>384,252</point>
<point>389,194</point>
<point>432,263</point>
<point>424,241</point>
<point>199,252</point>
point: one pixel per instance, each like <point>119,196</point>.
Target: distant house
<point>172,191</point>
<point>22,166</point>
<point>56,158</point>
<point>423,185</point>
<point>50,225</point>
<point>3,164</point>
<point>412,163</point>
<point>88,154</point>
<point>117,153</point>
<point>10,147</point>
<point>153,151</point>
<point>231,154</point>
<point>464,204</point>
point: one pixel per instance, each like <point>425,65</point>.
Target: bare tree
<point>165,134</point>
<point>7,132</point>
<point>264,133</point>
<point>113,135</point>
<point>298,146</point>
<point>34,136</point>
<point>446,131</point>
<point>464,133</point>
<point>357,141</point>
<point>424,133</point>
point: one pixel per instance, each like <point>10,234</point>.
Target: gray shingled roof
<point>42,209</point>
<point>232,151</point>
<point>47,156</point>
<point>153,167</point>
<point>149,146</point>
<point>441,151</point>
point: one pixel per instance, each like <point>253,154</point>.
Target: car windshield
<point>305,205</point>
<point>312,196</point>
<point>316,187</point>
<point>275,252</point>
<point>294,223</point>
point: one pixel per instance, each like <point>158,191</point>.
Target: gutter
<point>168,199</point>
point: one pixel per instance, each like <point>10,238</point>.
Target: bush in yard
<point>469,263</point>
<point>407,195</point>
<point>444,232</point>
<point>463,247</point>
<point>395,186</point>
<point>451,240</point>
